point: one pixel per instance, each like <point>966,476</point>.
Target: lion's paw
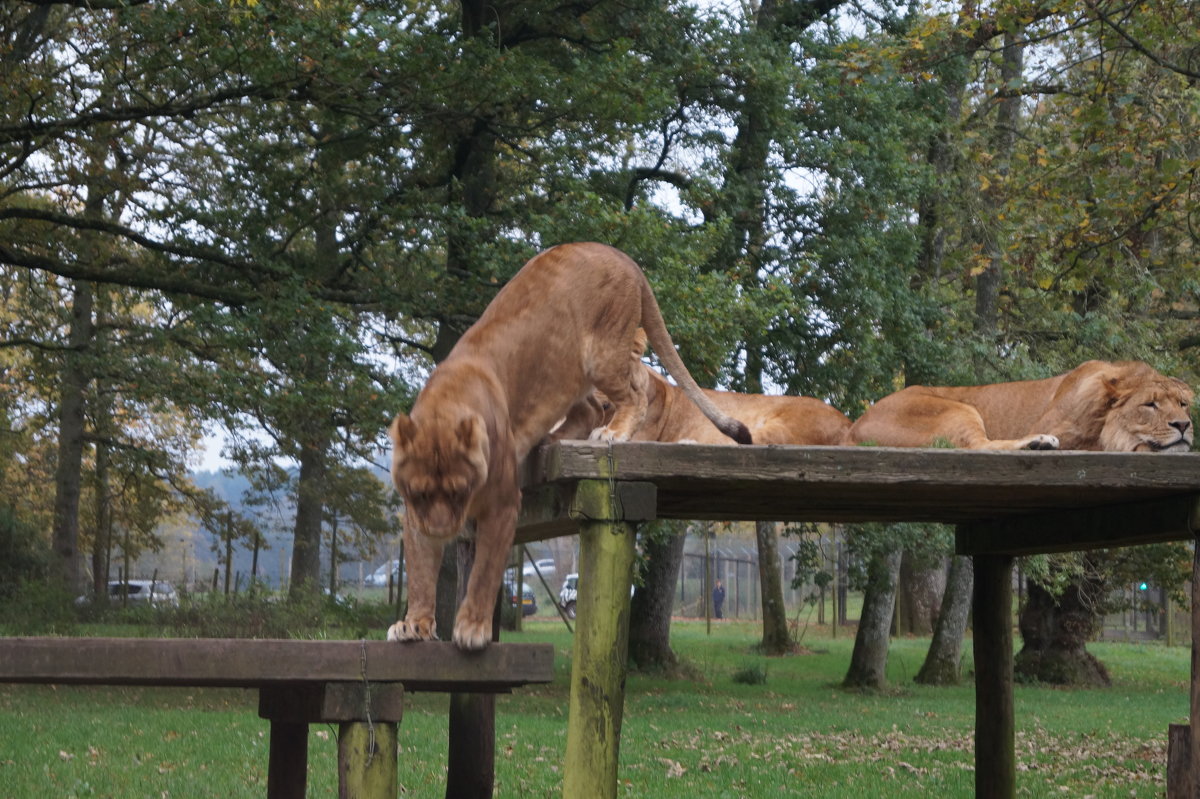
<point>607,434</point>
<point>472,635</point>
<point>1042,441</point>
<point>417,630</point>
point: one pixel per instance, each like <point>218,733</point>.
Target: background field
<point>796,734</point>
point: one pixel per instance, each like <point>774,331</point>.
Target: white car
<point>545,566</point>
<point>567,594</point>
<point>379,577</point>
<point>153,592</point>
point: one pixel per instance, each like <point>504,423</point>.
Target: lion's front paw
<point>472,635</point>
<point>1042,441</point>
<point>607,434</point>
<point>415,630</point>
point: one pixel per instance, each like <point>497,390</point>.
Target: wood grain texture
<point>419,666</point>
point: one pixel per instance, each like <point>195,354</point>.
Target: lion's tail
<point>660,340</point>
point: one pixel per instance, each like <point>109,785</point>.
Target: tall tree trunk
<point>943,661</point>
<point>653,600</point>
<point>69,469</point>
<point>310,503</point>
<point>868,662</point>
<point>1055,631</point>
<point>775,640</point>
<point>919,595</point>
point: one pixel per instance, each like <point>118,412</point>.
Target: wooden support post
<point>287,766</point>
<point>1193,781</point>
<point>367,715</point>
<point>601,645</point>
<point>995,757</point>
<point>471,759</point>
<point>367,760</point>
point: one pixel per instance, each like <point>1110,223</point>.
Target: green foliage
<point>24,556</point>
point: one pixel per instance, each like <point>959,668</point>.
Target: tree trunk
<point>653,600</point>
<point>69,469</point>
<point>775,640</point>
<point>919,595</point>
<point>868,662</point>
<point>943,661</point>
<point>1004,137</point>
<point>1055,632</point>
<point>310,503</point>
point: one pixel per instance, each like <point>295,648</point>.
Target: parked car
<point>528,600</point>
<point>154,592</point>
<point>567,594</point>
<point>544,565</point>
<point>569,591</point>
<point>379,577</point>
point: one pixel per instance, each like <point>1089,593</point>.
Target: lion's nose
<point>1182,425</point>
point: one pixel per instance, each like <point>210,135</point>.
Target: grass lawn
<point>797,734</point>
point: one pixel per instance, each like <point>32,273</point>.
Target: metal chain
<point>367,702</point>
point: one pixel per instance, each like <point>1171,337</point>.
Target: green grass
<point>796,735</point>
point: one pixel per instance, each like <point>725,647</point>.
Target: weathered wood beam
<point>995,727</point>
<point>425,665</point>
<point>1146,522</point>
<point>851,484</point>
<point>551,510</point>
<point>598,666</point>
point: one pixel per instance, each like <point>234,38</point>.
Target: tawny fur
<point>1123,406</point>
<point>566,324</point>
<point>671,417</point>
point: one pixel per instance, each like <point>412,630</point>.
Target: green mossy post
<point>367,760</point>
<point>601,644</point>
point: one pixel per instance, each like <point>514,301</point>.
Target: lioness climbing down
<point>1125,406</point>
<point>566,324</point>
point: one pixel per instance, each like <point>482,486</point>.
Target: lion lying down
<point>1123,407</point>
<point>672,417</point>
<point>566,324</point>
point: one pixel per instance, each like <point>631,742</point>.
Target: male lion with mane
<point>566,324</point>
<point>672,417</point>
<point>1123,406</point>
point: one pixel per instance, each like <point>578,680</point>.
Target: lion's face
<point>437,469</point>
<point>1149,415</point>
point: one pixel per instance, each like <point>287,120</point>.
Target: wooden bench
<point>359,685</point>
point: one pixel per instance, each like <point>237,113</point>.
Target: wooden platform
<point>1091,499</point>
<point>1002,504</point>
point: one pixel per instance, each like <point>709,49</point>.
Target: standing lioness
<point>566,324</point>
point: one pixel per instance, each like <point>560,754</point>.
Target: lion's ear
<point>402,431</point>
<point>472,435</point>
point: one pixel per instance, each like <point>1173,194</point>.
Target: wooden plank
<point>995,728</point>
<point>420,666</point>
<point>598,666</point>
<point>551,510</point>
<point>327,703</point>
<point>1148,522</point>
<point>867,483</point>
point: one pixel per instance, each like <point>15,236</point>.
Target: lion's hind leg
<point>624,383</point>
